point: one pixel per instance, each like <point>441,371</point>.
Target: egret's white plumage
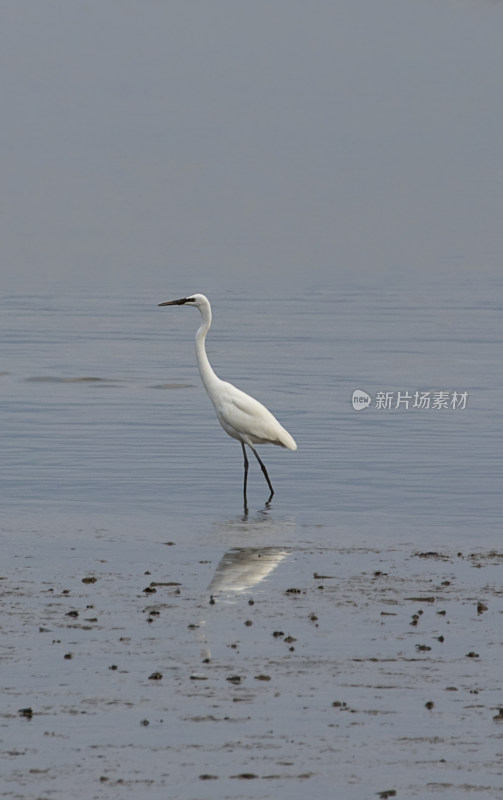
<point>240,415</point>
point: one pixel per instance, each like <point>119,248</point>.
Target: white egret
<point>240,415</point>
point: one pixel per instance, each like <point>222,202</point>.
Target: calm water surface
<point>283,642</point>
<point>103,410</point>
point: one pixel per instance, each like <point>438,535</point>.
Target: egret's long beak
<point>175,302</point>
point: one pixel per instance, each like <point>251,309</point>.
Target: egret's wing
<point>244,418</point>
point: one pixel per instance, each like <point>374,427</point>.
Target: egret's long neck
<point>208,376</point>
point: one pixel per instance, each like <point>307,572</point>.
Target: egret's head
<point>197,300</point>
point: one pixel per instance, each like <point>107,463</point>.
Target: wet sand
<point>137,668</point>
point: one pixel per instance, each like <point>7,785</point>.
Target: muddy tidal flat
<point>165,669</point>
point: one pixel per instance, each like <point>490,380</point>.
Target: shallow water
<point>369,588</point>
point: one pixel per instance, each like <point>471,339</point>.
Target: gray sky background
<point>258,143</point>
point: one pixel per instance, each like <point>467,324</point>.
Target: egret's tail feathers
<point>288,441</point>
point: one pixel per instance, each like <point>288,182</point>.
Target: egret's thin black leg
<point>246,478</point>
<point>266,476</point>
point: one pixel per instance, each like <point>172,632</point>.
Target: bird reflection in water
<point>243,567</point>
<point>239,570</point>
